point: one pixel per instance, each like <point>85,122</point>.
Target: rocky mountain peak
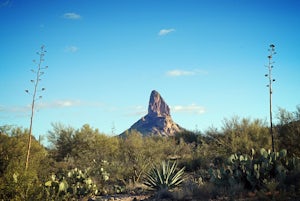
<point>158,121</point>
<point>157,106</point>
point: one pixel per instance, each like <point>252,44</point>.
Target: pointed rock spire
<point>157,106</point>
<point>158,121</point>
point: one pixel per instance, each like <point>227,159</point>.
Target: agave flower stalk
<point>38,74</point>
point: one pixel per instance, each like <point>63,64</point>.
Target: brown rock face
<point>157,106</point>
<point>158,121</point>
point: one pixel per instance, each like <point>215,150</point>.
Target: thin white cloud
<point>163,32</point>
<point>71,49</point>
<point>67,104</point>
<point>193,108</point>
<point>72,16</point>
<point>50,105</point>
<point>136,111</point>
<point>178,72</point>
<point>40,105</point>
<point>58,104</point>
<point>7,112</point>
<point>24,111</point>
<point>15,109</point>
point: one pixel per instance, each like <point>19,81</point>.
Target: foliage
<point>255,171</point>
<point>187,136</point>
<point>61,139</point>
<point>117,165</point>
<point>289,131</point>
<point>238,135</point>
<point>241,135</point>
<point>15,183</point>
<point>289,137</point>
<point>83,146</point>
<point>165,176</point>
<point>137,153</point>
<point>73,184</point>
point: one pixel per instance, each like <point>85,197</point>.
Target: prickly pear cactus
<point>254,171</point>
<point>71,184</point>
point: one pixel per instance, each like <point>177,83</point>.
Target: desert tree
<point>289,131</point>
<point>35,93</point>
<point>271,80</point>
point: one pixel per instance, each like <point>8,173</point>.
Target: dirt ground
<point>123,198</point>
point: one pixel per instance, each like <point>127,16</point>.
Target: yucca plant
<point>165,176</point>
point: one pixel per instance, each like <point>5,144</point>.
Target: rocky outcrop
<point>158,121</point>
<point>157,106</point>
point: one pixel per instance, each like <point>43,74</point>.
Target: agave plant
<point>165,176</point>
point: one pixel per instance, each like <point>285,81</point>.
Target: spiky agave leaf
<point>154,178</point>
<point>176,177</point>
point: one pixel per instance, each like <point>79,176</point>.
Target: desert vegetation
<point>231,163</point>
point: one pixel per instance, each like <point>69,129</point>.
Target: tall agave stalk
<point>38,72</point>
<point>165,176</point>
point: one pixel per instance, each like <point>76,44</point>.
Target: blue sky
<point>205,57</point>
